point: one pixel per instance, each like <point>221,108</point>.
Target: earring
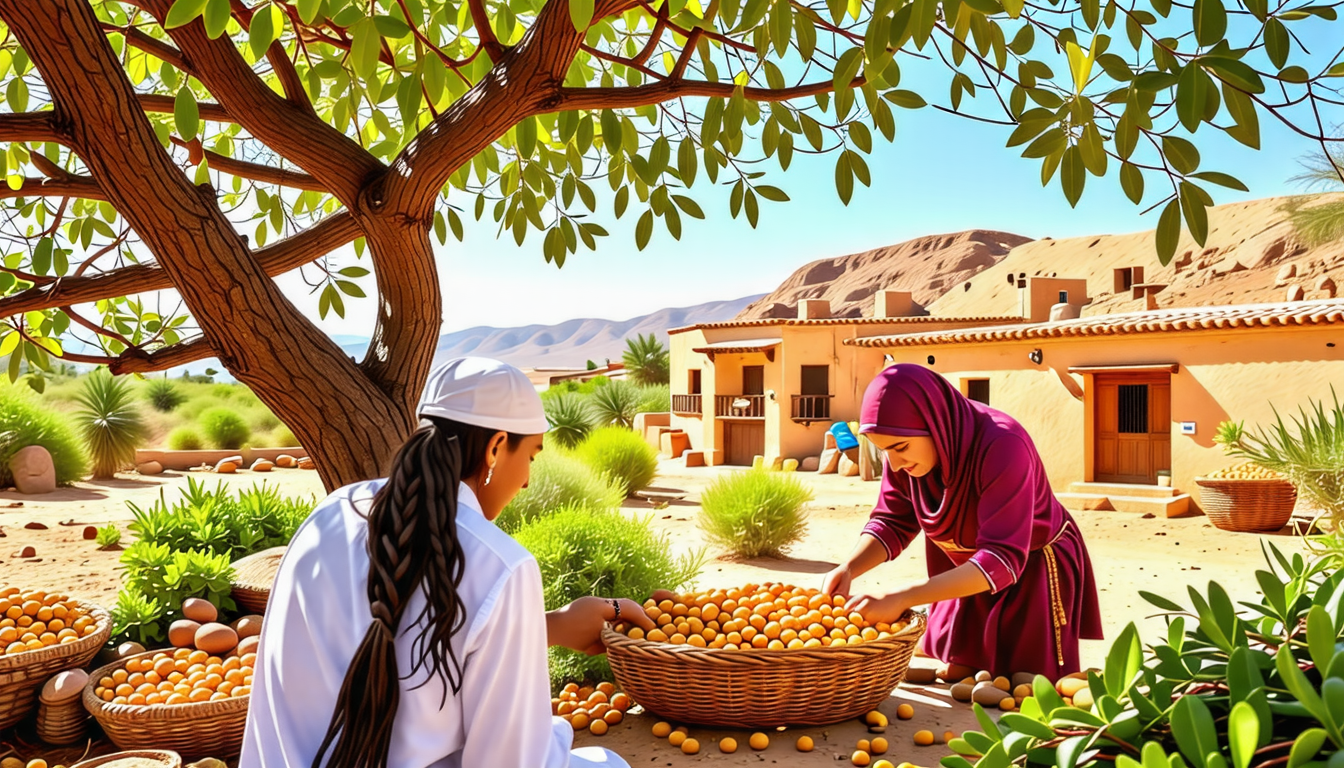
<point>490,472</point>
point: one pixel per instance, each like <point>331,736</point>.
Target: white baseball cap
<point>484,393</point>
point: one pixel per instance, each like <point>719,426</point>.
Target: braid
<point>412,544</point>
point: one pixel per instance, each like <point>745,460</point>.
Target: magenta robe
<point>989,504</point>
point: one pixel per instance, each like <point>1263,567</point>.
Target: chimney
<point>814,309</point>
<point>1039,297</point>
<point>893,304</point>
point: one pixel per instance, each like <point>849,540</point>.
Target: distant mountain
<point>573,342</point>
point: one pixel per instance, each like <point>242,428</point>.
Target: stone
<point>90,532</point>
<point>262,465</point>
<point>149,468</point>
<point>1326,284</point>
<point>226,467</point>
<point>1295,293</point>
<point>27,552</point>
<point>1286,272</point>
<point>810,464</point>
<point>33,470</point>
<point>36,526</point>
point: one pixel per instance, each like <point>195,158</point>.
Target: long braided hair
<point>412,543</point>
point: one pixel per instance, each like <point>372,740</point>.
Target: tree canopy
<point>202,147</point>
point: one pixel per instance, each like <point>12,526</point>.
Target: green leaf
<point>183,12</point>
<point>186,114</point>
<point>1192,89</point>
<point>847,68</point>
<point>1210,24</point>
<point>216,17</point>
<point>1243,111</point>
<point>391,27</point>
<point>905,99</point>
<point>844,178</point>
<point>365,48</point>
<point>1192,725</point>
<point>1221,179</point>
<point>1131,181</point>
<point>611,132</point>
<point>350,289</point>
<point>267,23</point>
<point>42,254</point>
<point>1072,175</point>
<point>17,95</point>
<point>644,230</point>
<point>1320,637</point>
<point>1294,74</point>
<point>1305,748</point>
<point>1182,155</point>
<point>1243,733</point>
<point>1168,231</point>
<point>1297,683</point>
<point>923,16</point>
<point>1197,221</point>
<point>1276,42</point>
<point>308,10</point>
<point>1161,602</point>
<point>1235,72</point>
<point>1124,661</point>
<point>581,15</point>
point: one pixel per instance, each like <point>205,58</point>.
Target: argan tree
<point>201,147</point>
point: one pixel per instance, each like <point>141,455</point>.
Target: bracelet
<point>616,604</point>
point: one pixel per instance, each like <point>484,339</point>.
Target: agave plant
<point>616,403</point>
<point>163,395</point>
<point>571,418</point>
<point>110,423</point>
<point>647,360</point>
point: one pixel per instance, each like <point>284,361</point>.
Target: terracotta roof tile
<point>921,320</point>
<point>1321,312</point>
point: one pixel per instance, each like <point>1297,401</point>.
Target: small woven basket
<point>1247,506</point>
<point>762,688</point>
<point>199,729</point>
<point>62,722</point>
<point>157,757</point>
<point>22,674</point>
<point>253,576</point>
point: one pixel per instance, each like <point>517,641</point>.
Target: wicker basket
<point>761,688</point>
<point>22,674</point>
<point>159,756</point>
<point>62,722</point>
<point>196,730</point>
<point>253,576</point>
<point>1247,506</point>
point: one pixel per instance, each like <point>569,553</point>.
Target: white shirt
<point>318,615</point>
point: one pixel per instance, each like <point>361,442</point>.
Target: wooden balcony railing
<point>812,407</point>
<point>689,405</point>
<point>740,406</point>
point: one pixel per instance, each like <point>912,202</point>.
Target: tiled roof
<point>1287,314</point>
<point>923,319</point>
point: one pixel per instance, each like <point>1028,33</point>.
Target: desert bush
<point>163,395</point>
<point>559,480</point>
<point>25,422</point>
<point>582,552</point>
<point>110,423</point>
<point>224,429</point>
<point>263,420</point>
<point>755,513</point>
<point>571,418</point>
<point>185,439</point>
<point>621,455</point>
<point>656,398</point>
<point>108,536</point>
<point>224,391</point>
<point>617,403</point>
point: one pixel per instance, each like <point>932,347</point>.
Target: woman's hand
<point>837,581</point>
<point>578,626</point>
<point>880,608</point>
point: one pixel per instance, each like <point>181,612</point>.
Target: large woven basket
<point>1247,506</point>
<point>196,730</point>
<point>761,688</point>
<point>253,576</point>
<point>22,674</point>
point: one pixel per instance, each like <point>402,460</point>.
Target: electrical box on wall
<point>1187,427</point>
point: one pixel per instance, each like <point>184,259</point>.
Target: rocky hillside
<point>1251,255</point>
<point>928,267</point>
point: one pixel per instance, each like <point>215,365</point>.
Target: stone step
<point>1125,489</point>
<point>1174,506</point>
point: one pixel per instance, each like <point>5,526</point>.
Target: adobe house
<point>772,388</point>
<point>1112,401</point>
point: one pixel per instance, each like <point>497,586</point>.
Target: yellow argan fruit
<point>924,738</point>
<point>805,744</point>
<point>38,763</point>
<point>879,745</point>
<point>661,730</point>
<point>859,758</point>
<point>863,745</point>
<point>1003,684</point>
<point>875,718</point>
<point>11,762</point>
<point>949,736</point>
<point>676,738</point>
<point>727,745</point>
<point>580,720</point>
<point>1070,686</point>
<point>597,727</point>
<point>613,716</point>
<point>1023,692</point>
<point>1008,704</point>
<point>905,712</point>
<point>887,764</point>
<point>690,747</point>
<point>759,741</point>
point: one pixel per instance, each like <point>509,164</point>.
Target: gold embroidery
<point>1058,615</point>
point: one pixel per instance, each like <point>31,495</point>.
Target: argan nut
<point>27,552</point>
<point>247,626</point>
<point>90,532</point>
<point>199,611</point>
<point>962,692</point>
<point>248,645</point>
<point>1083,698</point>
<point>1003,684</point>
<point>877,729</point>
<point>216,639</point>
<point>129,648</point>
<point>1070,686</point>
<point>986,694</point>
<point>1023,692</point>
<point>1007,704</point>
<point>921,676</point>
<point>182,633</point>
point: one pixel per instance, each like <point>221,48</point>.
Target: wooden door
<point>743,441</point>
<point>1132,427</point>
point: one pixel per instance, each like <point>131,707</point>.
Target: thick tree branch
<point>655,93</point>
<point>163,105</point>
<point>481,20</point>
<point>136,360</point>
<point>657,34</point>
<point>67,186</point>
<point>160,50</point>
<point>29,126</point>
<point>292,252</point>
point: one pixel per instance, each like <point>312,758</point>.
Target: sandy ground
<point>1129,553</point>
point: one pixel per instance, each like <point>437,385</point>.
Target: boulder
<point>33,470</point>
<point>285,461</point>
<point>1295,293</point>
<point>810,464</point>
<point>149,468</point>
<point>1286,272</point>
<point>262,465</point>
<point>1327,285</point>
<point>27,552</point>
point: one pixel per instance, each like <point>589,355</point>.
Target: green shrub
<point>108,536</point>
<point>185,439</point>
<point>224,428</point>
<point>755,513</point>
<point>163,395</point>
<point>559,480</point>
<point>571,418</point>
<point>617,403</point>
<point>224,391</point>
<point>655,399</point>
<point>581,553</point>
<point>283,437</point>
<point>25,422</point>
<point>621,455</point>
<point>264,420</point>
<point>646,359</point>
<point>110,423</point>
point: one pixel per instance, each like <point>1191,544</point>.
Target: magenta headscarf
<point>909,400</point>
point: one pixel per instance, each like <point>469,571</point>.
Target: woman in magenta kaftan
<point>1010,579</point>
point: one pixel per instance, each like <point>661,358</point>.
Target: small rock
<point>1295,293</point>
<point>262,465</point>
<point>90,532</point>
<point>1286,272</point>
<point>11,504</point>
<point>33,470</point>
<point>285,461</point>
<point>36,526</point>
<point>1327,284</point>
<point>149,468</point>
<point>810,464</point>
<point>27,552</point>
<point>1148,516</point>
